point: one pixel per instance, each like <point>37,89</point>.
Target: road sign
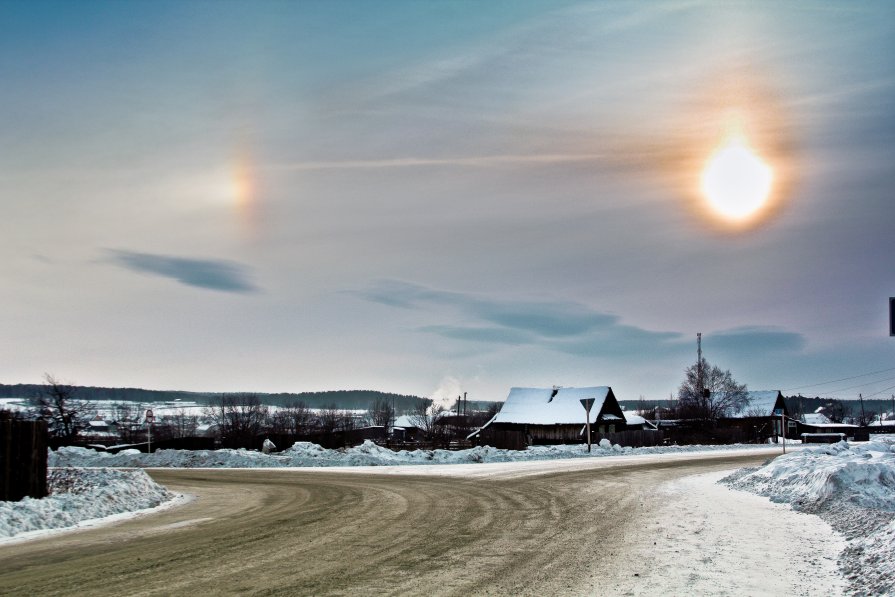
<point>892,315</point>
<point>149,419</point>
<point>587,403</point>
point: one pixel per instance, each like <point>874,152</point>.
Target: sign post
<point>892,315</point>
<point>587,403</point>
<point>149,419</point>
<point>779,411</point>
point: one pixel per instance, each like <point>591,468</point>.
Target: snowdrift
<point>852,487</point>
<point>77,495</point>
<point>815,479</point>
<point>367,454</point>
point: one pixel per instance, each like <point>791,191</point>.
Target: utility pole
<point>700,391</point>
<point>863,418</point>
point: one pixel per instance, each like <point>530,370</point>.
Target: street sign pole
<point>892,315</point>
<point>149,419</point>
<point>783,429</point>
<point>780,412</point>
<point>587,403</point>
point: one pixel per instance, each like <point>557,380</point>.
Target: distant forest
<point>344,399</point>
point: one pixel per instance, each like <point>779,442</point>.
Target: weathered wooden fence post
<point>23,459</point>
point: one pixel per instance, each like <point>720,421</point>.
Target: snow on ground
<point>305,454</point>
<point>80,496</point>
<point>852,487</point>
<point>86,494</point>
<point>706,539</point>
<point>732,542</point>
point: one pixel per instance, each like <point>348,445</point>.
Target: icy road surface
<point>609,526</point>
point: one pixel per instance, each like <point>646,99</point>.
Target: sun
<point>736,182</point>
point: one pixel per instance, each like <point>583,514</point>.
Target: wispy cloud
<point>563,326</point>
<point>756,340</point>
<point>471,161</point>
<point>224,276</point>
<point>567,327</point>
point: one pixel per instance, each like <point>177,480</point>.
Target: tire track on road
<point>324,533</point>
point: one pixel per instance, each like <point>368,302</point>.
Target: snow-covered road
<point>690,534</point>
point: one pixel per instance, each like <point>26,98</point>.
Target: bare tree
<point>837,410</point>
<point>240,418</point>
<point>292,419</point>
<point>328,418</point>
<point>182,423</point>
<point>335,425</point>
<point>381,413</point>
<point>719,394</point>
<point>429,420</point>
<point>57,403</point>
<point>127,412</point>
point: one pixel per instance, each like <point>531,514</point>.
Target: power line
<point>880,392</point>
<point>823,383</point>
<point>860,385</point>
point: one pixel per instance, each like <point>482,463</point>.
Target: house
<point>636,422</point>
<point>819,423</point>
<point>550,416</point>
<point>759,418</point>
<point>882,426</point>
<point>405,429</point>
<point>98,429</point>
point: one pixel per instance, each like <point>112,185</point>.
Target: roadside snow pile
<point>367,454</point>
<point>77,495</point>
<point>852,487</point>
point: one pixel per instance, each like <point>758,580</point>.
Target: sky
<point>437,197</point>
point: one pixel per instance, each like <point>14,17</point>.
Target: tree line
<point>346,399</point>
<point>244,419</point>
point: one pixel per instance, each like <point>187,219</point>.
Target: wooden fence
<point>518,439</point>
<point>23,459</point>
<point>634,438</point>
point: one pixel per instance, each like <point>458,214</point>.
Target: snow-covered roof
<point>404,422</point>
<point>881,424</point>
<point>632,419</point>
<point>761,404</point>
<point>815,419</point>
<point>539,406</point>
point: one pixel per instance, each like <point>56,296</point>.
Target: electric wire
<point>824,383</point>
<point>860,385</point>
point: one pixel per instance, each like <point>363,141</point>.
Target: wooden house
<point>759,420</point>
<point>814,423</point>
<point>551,416</point>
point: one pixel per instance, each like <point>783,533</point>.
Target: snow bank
<point>368,454</point>
<point>852,487</point>
<point>77,495</point>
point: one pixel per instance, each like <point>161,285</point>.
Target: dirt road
<point>323,533</point>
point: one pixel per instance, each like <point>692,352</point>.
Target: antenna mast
<point>699,364</point>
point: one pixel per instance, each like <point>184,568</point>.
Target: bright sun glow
<point>735,181</point>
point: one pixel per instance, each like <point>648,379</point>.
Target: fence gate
<point>23,459</point>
